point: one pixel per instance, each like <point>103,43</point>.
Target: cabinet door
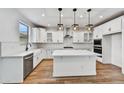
<point>49,37</point>
<point>116,25</point>
<point>98,32</point>
<point>43,36</point>
<point>86,37</point>
<point>60,36</point>
<point>49,53</point>
<point>54,37</point>
<point>57,37</point>
<point>113,26</point>
<point>75,37</point>
<point>78,37</point>
<point>35,59</point>
<point>44,53</point>
<point>35,35</point>
<point>90,37</point>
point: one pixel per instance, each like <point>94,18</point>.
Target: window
<point>23,31</point>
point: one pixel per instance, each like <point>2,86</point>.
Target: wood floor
<point>106,74</point>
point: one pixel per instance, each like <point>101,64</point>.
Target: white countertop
<point>22,54</point>
<point>73,52</point>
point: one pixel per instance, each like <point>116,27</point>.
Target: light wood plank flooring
<point>106,74</point>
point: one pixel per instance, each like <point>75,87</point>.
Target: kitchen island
<point>71,62</point>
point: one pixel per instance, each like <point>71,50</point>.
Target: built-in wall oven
<point>98,46</point>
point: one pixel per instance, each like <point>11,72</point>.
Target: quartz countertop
<point>73,52</point>
<point>22,54</point>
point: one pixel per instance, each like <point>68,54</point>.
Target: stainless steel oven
<point>98,46</point>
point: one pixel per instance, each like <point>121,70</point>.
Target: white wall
<point>9,31</point>
<point>112,49</point>
<point>9,19</point>
<point>106,49</point>
<point>116,50</point>
<point>123,45</point>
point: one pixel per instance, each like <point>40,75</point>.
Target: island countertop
<point>73,52</point>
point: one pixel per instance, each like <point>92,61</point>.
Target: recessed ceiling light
<point>81,16</point>
<point>61,15</point>
<point>48,24</point>
<point>43,14</point>
<point>100,16</point>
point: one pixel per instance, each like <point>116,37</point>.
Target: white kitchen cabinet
<point>82,37</point>
<point>49,53</point>
<point>13,68</point>
<point>98,32</point>
<point>110,27</point>
<point>57,36</point>
<point>35,35</point>
<point>37,57</point>
<point>49,37</point>
<point>78,37</point>
<point>43,36</point>
<point>90,37</point>
<point>87,37</point>
<point>39,35</point>
<point>113,26</point>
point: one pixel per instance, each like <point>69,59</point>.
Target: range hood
<point>67,36</point>
<point>68,33</point>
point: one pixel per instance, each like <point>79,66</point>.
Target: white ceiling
<point>51,17</point>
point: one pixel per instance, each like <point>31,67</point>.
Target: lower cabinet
<point>49,53</point>
<point>15,69</point>
<point>37,57</point>
<point>27,65</point>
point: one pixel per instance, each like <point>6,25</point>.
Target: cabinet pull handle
<point>28,57</point>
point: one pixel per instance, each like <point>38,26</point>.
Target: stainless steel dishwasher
<point>27,65</point>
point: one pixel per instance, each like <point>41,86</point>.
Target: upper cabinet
<point>82,37</point>
<point>38,35</point>
<point>57,36</point>
<point>98,32</point>
<point>113,26</point>
<point>78,37</point>
<point>43,35</point>
<point>110,27</point>
<point>35,36</point>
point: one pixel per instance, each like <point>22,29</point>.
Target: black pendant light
<point>89,27</point>
<point>75,26</point>
<point>60,26</point>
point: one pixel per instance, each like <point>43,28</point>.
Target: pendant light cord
<point>59,9</point>
<point>74,10</point>
<point>89,17</point>
<point>60,17</point>
<point>89,10</point>
<point>74,17</point>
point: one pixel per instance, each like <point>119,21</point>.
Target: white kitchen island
<point>70,62</point>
